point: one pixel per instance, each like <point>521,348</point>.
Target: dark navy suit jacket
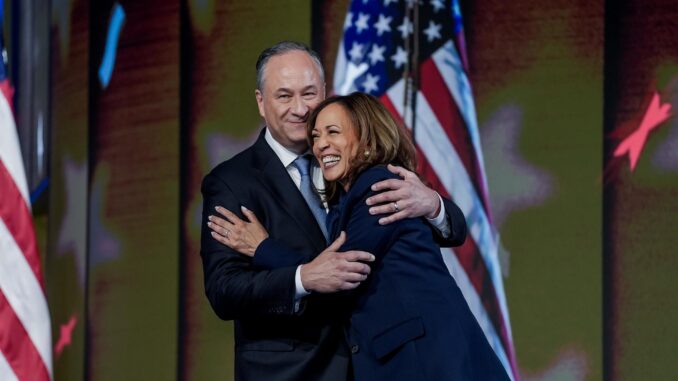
<point>409,320</point>
<point>272,340</point>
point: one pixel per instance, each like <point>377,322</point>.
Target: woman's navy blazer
<point>409,320</point>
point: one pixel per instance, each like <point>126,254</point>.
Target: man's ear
<point>260,102</point>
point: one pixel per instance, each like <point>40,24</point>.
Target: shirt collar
<point>285,155</point>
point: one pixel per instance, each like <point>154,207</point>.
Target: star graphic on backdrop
<point>383,24</point>
<point>348,20</point>
<point>569,364</point>
<point>72,235</point>
<point>377,53</point>
<point>65,335</point>
<point>220,146</point>
<point>400,58</point>
<point>104,246</point>
<point>433,31</point>
<point>523,184</point>
<point>405,28</point>
<point>656,114</point>
<point>361,24</point>
<point>356,52</point>
<point>387,2</point>
<point>370,83</point>
<point>437,5</point>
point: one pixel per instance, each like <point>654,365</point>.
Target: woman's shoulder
<point>363,183</point>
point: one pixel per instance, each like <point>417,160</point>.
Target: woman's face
<point>335,142</point>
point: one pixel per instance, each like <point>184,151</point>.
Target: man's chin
<point>296,125</point>
<point>301,144</point>
<point>300,139</point>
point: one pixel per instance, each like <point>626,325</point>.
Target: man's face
<point>292,88</point>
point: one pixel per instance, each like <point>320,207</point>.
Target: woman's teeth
<point>330,160</point>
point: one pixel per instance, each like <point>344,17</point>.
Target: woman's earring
<point>367,153</point>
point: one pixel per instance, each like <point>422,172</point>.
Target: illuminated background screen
<point>588,243</point>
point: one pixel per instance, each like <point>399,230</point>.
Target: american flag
<point>411,54</point>
<point>25,331</point>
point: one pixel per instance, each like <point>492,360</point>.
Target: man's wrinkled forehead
<point>292,69</point>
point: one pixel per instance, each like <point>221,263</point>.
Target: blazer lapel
<point>277,180</point>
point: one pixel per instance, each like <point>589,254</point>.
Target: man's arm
<point>457,225</point>
<point>408,197</point>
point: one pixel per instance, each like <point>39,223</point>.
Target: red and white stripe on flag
<point>25,330</point>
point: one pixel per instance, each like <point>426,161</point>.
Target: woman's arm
<point>250,238</point>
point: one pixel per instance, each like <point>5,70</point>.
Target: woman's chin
<point>330,178</point>
<point>331,175</point>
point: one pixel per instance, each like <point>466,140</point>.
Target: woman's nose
<point>320,143</point>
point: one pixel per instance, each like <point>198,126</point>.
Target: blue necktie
<point>303,164</point>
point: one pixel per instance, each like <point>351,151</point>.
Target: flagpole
<point>415,69</point>
<point>406,70</point>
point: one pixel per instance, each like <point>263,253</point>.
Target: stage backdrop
<point>147,96</point>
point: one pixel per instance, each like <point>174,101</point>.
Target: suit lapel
<point>277,180</point>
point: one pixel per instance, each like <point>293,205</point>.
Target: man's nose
<point>300,107</point>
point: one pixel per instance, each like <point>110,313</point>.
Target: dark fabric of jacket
<point>409,320</point>
<point>272,342</point>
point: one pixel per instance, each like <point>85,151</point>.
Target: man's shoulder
<point>239,169</point>
<point>244,163</point>
<point>241,162</point>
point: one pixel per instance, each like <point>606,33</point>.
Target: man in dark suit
<point>286,326</point>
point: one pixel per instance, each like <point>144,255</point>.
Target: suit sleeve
<point>457,223</point>
<point>363,231</point>
<point>234,287</point>
<point>272,254</point>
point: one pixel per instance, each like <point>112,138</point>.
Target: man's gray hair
<point>282,48</point>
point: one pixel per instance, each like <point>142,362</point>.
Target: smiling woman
<point>408,319</point>
<point>334,143</point>
<point>349,134</point>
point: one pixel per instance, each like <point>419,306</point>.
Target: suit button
<point>354,349</point>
